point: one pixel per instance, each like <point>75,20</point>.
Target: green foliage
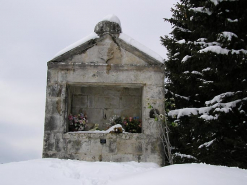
<point>118,121</point>
<point>150,106</point>
<point>169,104</point>
<point>195,77</point>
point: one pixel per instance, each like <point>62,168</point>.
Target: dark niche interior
<point>91,107</point>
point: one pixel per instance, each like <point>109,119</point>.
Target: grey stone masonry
<point>103,77</point>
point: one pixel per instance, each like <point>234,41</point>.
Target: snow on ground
<point>188,174</point>
<point>68,172</point>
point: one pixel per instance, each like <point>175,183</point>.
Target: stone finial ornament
<point>110,24</point>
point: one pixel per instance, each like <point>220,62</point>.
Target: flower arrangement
<point>77,122</point>
<point>133,125</point>
<point>130,124</point>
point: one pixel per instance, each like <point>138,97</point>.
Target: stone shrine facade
<point>104,74</point>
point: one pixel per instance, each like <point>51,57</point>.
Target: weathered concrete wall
<point>106,65</point>
<point>118,147</point>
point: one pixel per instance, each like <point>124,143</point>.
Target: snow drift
<point>67,172</point>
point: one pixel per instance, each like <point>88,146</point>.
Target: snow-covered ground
<point>71,172</point>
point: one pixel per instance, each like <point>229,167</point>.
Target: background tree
<point>207,80</point>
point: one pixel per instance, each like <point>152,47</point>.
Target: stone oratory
<point>97,99</point>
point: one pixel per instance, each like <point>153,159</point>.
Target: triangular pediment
<point>107,49</point>
<point>108,45</point>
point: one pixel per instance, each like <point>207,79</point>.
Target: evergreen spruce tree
<point>206,87</point>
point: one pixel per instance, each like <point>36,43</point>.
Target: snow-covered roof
<point>77,43</point>
<point>140,46</point>
<point>114,20</point>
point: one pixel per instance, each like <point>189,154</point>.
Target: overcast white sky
<point>32,32</point>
